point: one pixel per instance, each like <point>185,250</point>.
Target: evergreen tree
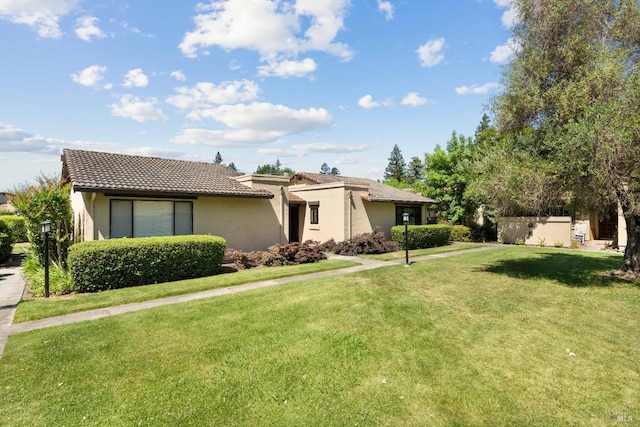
<point>218,159</point>
<point>274,169</point>
<point>324,169</point>
<point>334,171</point>
<point>414,170</point>
<point>396,167</point>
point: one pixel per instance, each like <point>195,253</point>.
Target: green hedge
<point>17,227</point>
<point>422,236</point>
<point>119,263</point>
<point>6,242</point>
<point>460,233</point>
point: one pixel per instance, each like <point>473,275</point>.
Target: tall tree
<point>396,167</point>
<point>414,170</point>
<point>325,169</point>
<point>218,159</point>
<point>570,112</point>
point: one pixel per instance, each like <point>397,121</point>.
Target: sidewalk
<point>13,286</point>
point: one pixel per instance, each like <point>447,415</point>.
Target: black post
<point>406,243</point>
<point>46,265</point>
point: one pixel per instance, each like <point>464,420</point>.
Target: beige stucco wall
<point>332,199</point>
<point>552,229</point>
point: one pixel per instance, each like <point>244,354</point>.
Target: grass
<point>40,308</point>
<point>452,247</point>
<point>483,338</point>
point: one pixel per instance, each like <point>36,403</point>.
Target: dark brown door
<point>294,224</point>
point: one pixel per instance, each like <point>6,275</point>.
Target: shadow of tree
<point>570,269</point>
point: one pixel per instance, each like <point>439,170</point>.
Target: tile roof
<point>378,192</point>
<point>99,171</point>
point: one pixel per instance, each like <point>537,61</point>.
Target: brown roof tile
<point>378,192</point>
<point>98,171</point>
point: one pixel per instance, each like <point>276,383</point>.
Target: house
<point>5,203</point>
<point>118,195</point>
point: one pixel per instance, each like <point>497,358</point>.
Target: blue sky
<point>302,81</point>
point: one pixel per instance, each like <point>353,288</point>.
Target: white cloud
<point>501,54</point>
<point>387,8</point>
<point>205,94</point>
<point>509,17</point>
<point>287,68</point>
<point>135,78</point>
<point>414,99</point>
<point>275,29</point>
<point>477,90</point>
<point>503,3</point>
<point>90,76</point>
<point>86,28</point>
<point>178,75</point>
<point>132,107</point>
<point>41,16</point>
<point>254,123</point>
<point>14,139</point>
<point>349,160</point>
<point>304,150</point>
<point>367,102</point>
<point>155,152</point>
<point>430,53</point>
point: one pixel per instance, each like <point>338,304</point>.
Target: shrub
<point>422,236</point>
<point>558,244</point>
<point>6,242</point>
<point>329,245</point>
<point>460,233</point>
<point>119,263</point>
<point>289,254</point>
<point>60,282</point>
<point>17,226</point>
<point>366,243</point>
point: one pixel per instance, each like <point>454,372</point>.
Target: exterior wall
<point>383,215</point>
<point>552,229</point>
<point>622,229</point>
<point>5,204</point>
<point>332,214</point>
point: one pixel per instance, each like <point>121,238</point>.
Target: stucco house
<point>5,203</point>
<point>118,195</point>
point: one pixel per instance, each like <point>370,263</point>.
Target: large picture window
<point>415,214</point>
<point>143,218</point>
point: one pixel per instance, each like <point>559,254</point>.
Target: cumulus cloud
<point>367,102</point>
<point>477,90</point>
<point>178,75</point>
<point>349,160</point>
<point>503,53</point>
<point>254,123</point>
<point>90,76</point>
<point>155,152</point>
<point>287,68</point>
<point>430,53</point>
<point>41,16</point>
<point>414,99</point>
<point>14,139</point>
<point>135,78</point>
<point>205,94</point>
<point>86,28</point>
<point>387,8</point>
<point>132,107</point>
<point>509,17</point>
<point>275,29</point>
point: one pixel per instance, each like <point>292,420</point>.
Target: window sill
<point>314,227</point>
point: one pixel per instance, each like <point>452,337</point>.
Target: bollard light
<point>405,221</point>
<point>46,229</point>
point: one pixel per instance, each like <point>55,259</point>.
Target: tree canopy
<point>569,114</point>
<point>274,169</point>
<point>396,167</point>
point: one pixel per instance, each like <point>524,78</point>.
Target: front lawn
<point>451,247</point>
<point>513,336</point>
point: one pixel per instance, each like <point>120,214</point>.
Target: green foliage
<point>447,173</point>
<point>396,168</point>
<point>365,243</point>
<point>6,242</point>
<point>218,159</point>
<point>414,170</point>
<point>48,199</point>
<point>60,282</point>
<point>17,227</point>
<point>421,236</point>
<point>119,263</point>
<point>274,169</point>
<point>460,233</point>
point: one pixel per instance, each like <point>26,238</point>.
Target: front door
<point>294,224</point>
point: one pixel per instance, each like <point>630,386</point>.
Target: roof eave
<point>169,194</point>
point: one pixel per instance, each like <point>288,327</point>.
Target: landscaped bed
<point>512,336</point>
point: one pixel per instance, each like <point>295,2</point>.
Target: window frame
<point>314,213</point>
<point>415,214</point>
<point>133,212</point>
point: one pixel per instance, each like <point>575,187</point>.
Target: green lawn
<point>41,308</point>
<point>452,247</point>
<point>513,336</point>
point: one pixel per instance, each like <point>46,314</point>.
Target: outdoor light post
<point>46,229</point>
<point>405,221</point>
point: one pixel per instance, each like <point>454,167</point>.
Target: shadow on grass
<point>571,269</point>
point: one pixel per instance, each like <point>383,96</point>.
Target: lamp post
<point>46,229</point>
<point>405,221</point>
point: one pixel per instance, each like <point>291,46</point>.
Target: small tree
<point>325,169</point>
<point>218,159</point>
<point>48,199</point>
<point>274,169</point>
<point>334,171</point>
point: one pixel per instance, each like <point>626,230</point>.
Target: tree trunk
<point>631,261</point>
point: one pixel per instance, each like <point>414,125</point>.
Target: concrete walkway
<point>12,285</point>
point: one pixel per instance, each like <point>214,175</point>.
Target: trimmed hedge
<point>460,233</point>
<point>120,263</point>
<point>422,236</point>
<point>6,242</point>
<point>17,227</point>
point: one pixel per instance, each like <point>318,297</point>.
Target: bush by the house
<point>17,227</point>
<point>422,236</point>
<point>366,243</point>
<point>6,242</point>
<point>289,254</point>
<point>60,282</point>
<point>120,263</point>
<point>460,233</point>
